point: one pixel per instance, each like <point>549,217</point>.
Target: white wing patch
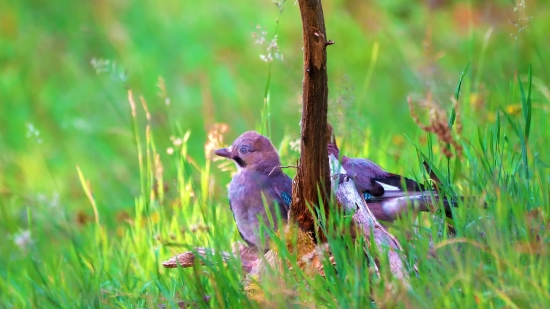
<point>388,187</point>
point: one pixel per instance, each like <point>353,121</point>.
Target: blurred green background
<point>206,54</point>
<point>66,69</point>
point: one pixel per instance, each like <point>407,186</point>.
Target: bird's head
<point>252,151</point>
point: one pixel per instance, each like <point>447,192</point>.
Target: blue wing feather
<point>287,198</point>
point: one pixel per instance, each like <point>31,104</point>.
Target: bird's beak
<point>224,152</point>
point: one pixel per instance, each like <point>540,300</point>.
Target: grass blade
<point>457,93</point>
<point>526,104</point>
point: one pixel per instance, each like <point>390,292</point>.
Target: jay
<point>259,180</point>
<point>387,195</point>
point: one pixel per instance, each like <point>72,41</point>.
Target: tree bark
<point>312,183</point>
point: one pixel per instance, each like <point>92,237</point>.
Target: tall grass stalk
<point>266,111</point>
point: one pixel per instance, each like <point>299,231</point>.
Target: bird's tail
<point>392,206</point>
<point>429,202</point>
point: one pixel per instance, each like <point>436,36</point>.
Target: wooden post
<point>312,183</point>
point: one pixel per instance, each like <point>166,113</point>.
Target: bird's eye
<point>243,150</point>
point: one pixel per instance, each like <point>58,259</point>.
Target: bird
<point>388,195</point>
<point>259,178</point>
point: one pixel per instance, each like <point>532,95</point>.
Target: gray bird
<point>387,195</point>
<point>259,178</point>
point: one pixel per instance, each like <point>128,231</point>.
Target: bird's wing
<point>397,181</point>
<point>373,179</point>
<point>364,173</point>
<point>393,203</point>
<point>282,189</point>
<point>240,233</point>
<point>365,167</point>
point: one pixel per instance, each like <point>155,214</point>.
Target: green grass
<point>95,236</point>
